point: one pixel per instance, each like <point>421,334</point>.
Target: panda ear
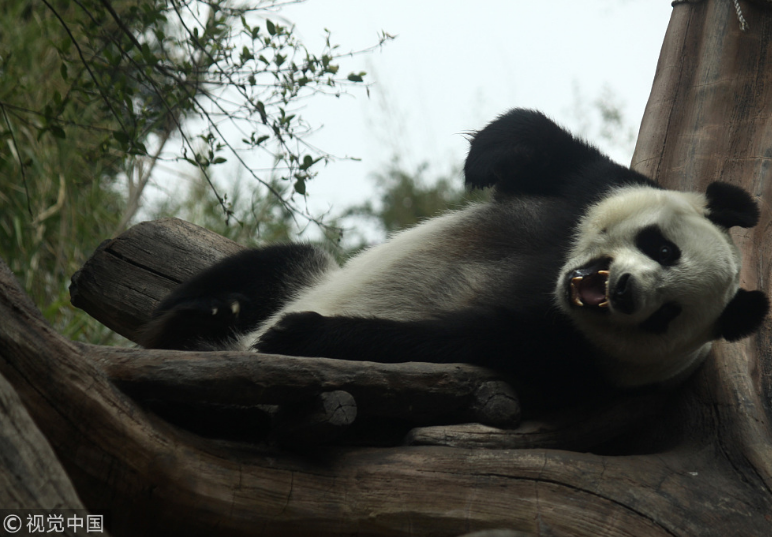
<point>523,151</point>
<point>730,205</point>
<point>743,315</point>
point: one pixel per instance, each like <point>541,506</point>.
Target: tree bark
<point>704,468</point>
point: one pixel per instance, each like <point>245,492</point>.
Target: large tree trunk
<point>702,468</point>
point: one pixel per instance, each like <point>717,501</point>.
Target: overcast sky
<point>455,65</point>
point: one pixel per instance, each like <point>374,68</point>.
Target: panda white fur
<point>580,276</point>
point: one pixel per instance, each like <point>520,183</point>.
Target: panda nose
<point>622,295</point>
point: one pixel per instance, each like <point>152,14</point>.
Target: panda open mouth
<point>589,286</point>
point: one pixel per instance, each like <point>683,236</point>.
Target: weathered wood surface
<point>30,475</point>
<point>709,117</point>
<point>573,429</point>
<point>702,471</point>
<point>418,392</point>
<point>323,418</point>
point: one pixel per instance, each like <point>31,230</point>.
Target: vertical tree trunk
<point>709,118</point>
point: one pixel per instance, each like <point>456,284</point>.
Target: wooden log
<point>494,403</point>
<point>30,475</point>
<point>317,421</point>
<point>416,392</point>
<point>578,429</point>
<point>709,118</point>
<point>499,533</point>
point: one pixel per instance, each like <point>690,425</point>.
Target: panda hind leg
<point>212,309</point>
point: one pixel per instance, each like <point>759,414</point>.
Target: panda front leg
<point>546,357</point>
<point>356,338</point>
<point>527,346</point>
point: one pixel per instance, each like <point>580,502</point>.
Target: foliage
<point>95,93</point>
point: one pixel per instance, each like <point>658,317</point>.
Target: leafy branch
<point>155,64</point>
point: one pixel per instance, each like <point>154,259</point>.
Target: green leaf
<point>261,110</point>
<point>139,149</point>
<point>308,161</point>
<point>63,71</point>
<point>271,27</point>
<point>219,160</point>
<point>121,137</point>
<point>300,187</point>
<point>356,77</point>
<point>58,132</point>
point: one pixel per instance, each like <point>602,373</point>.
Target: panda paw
<point>295,334</point>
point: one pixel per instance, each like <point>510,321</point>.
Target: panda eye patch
<point>653,243</point>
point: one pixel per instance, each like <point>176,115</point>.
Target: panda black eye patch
<point>653,243</point>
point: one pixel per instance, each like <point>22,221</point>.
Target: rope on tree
<point>740,18</point>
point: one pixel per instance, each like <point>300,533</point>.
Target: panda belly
<point>419,273</point>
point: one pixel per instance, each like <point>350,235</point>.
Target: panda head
<point>653,277</point>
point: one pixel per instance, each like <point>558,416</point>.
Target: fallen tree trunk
<point>705,469</point>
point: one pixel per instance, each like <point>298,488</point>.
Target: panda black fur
<point>579,277</point>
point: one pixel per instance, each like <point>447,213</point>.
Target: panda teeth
<point>575,295</point>
<point>606,274</point>
<point>575,291</point>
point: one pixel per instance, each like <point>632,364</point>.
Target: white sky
<point>455,66</point>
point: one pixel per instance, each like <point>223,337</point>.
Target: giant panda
<point>579,277</point>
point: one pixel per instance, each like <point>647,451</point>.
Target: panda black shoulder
<point>523,152</point>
